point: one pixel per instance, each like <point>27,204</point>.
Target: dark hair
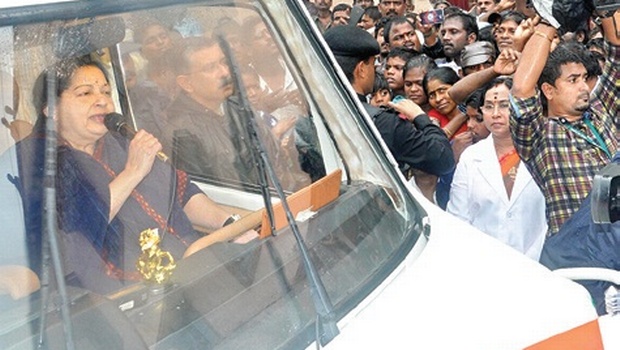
<point>587,57</point>
<point>394,21</point>
<point>474,100</point>
<point>341,7</point>
<point>348,65</point>
<point>381,24</point>
<point>62,72</point>
<point>380,83</point>
<point>372,12</point>
<point>598,43</point>
<point>515,16</point>
<point>562,55</point>
<point>403,53</point>
<point>486,34</point>
<point>507,81</point>
<point>444,74</point>
<point>420,61</point>
<point>467,21</point>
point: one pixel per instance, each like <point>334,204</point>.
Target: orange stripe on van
<point>584,337</point>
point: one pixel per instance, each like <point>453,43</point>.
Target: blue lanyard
<point>599,140</point>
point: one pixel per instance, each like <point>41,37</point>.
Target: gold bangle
<point>541,34</point>
<point>448,133</point>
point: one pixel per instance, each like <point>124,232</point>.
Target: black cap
<point>350,41</point>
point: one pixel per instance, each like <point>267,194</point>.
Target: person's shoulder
<point>478,151</point>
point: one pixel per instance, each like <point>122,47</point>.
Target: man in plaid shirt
<point>566,143</point>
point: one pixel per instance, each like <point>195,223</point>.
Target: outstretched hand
<point>524,31</point>
<point>507,61</point>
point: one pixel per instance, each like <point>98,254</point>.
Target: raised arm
<point>505,64</point>
<point>608,89</point>
<point>533,61</point>
<point>611,28</point>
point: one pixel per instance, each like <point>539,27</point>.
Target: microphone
<point>116,122</point>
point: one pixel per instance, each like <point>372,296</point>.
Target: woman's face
<point>413,85</point>
<point>438,97</point>
<point>496,111</point>
<point>82,107</point>
<point>505,33</point>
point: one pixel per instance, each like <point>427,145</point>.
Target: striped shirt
<point>563,156</point>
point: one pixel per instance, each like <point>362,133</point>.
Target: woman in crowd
<point>492,189</point>
<point>504,34</point>
<point>108,189</point>
<point>437,83</point>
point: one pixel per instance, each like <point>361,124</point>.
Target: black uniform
<point>421,145</point>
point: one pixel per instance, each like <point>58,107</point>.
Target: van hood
<point>466,291</point>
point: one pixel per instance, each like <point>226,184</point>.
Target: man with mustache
<point>205,135</point>
<point>562,135</point>
<point>458,30</point>
<point>400,32</point>
<point>392,8</point>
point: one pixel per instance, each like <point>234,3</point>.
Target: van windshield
<point>145,154</point>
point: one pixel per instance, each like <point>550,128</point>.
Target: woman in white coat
<point>492,189</point>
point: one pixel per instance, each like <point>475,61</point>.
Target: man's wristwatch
<point>231,219</point>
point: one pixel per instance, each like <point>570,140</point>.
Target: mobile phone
<point>432,17</point>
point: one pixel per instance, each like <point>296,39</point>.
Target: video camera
<point>606,5</point>
<point>605,195</point>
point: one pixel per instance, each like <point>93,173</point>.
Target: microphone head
<point>114,121</point>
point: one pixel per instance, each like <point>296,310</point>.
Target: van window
<point>247,110</point>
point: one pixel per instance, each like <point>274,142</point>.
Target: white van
<point>368,262</point>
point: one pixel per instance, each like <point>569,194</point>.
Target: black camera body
<point>606,5</point>
<point>606,195</point>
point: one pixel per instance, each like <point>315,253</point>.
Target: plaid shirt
<point>561,162</point>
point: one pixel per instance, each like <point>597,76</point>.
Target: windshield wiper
<point>327,327</point>
<point>50,248</point>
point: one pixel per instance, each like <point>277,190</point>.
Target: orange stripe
<point>585,337</point>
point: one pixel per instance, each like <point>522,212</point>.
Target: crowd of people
<point>496,113</point>
<point>528,102</point>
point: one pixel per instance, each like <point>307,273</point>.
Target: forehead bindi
<point>497,93</point>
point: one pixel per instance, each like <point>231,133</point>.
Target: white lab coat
<point>478,196</point>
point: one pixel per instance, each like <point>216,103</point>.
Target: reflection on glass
<point>167,72</point>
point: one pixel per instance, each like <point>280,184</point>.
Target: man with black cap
<point>421,144</point>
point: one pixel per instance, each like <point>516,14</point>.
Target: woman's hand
<point>506,62</point>
<point>140,158</point>
<point>524,31</point>
<point>141,154</point>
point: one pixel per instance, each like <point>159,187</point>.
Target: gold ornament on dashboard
<point>154,264</point>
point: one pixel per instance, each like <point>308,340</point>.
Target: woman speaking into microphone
<point>109,189</point>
